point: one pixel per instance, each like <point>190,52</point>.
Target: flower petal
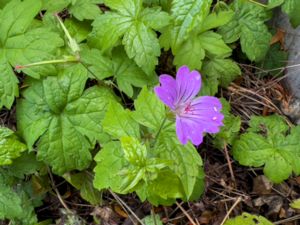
<point>188,84</point>
<point>181,130</point>
<point>205,111</point>
<point>167,91</point>
<point>187,129</point>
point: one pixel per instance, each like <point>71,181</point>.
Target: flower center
<point>184,109</point>
<point>188,108</point>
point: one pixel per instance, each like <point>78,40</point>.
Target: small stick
<point>229,163</point>
<point>293,218</point>
<point>57,192</point>
<point>186,214</point>
<point>126,207</point>
<point>239,199</point>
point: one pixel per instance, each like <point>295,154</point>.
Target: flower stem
<point>159,131</point>
<point>55,61</point>
<point>72,42</point>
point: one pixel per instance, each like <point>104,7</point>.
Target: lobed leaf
<point>248,25</point>
<point>149,110</point>
<point>248,219</point>
<point>131,22</point>
<point>265,144</point>
<point>119,123</point>
<point>68,122</point>
<point>21,44</point>
<point>186,15</point>
<point>186,161</point>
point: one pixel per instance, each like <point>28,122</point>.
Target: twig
<point>186,214</point>
<point>126,207</point>
<point>293,218</point>
<point>193,214</point>
<point>239,199</point>
<point>229,164</point>
<point>57,192</point>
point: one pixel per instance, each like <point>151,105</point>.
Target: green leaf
<point>3,3</point>
<point>78,29</point>
<point>83,182</point>
<point>131,22</point>
<point>141,44</point>
<point>19,45</point>
<point>81,9</point>
<point>98,65</point>
<point>124,70</point>
<point>165,4</point>
<point>127,167</point>
<point>191,53</point>
<point>225,70</point>
<point>255,41</point>
<point>16,17</point>
<point>214,44</point>
<point>110,161</point>
<point>128,74</point>
<point>274,62</point>
<point>26,164</point>
<point>10,202</point>
<point>186,15</point>
<point>266,144</point>
<point>118,122</point>
<point>152,220</point>
<point>291,7</point>
<point>231,32</point>
<point>248,25</point>
<point>164,190</point>
<point>66,119</point>
<point>17,200</point>
<point>216,19</point>
<point>27,48</point>
<point>150,111</point>
<point>155,18</point>
<point>271,125</point>
<point>85,9</point>
<point>10,146</point>
<point>248,219</point>
<point>186,161</point>
<point>8,83</point>
<point>55,6</point>
<point>295,204</point>
<point>134,151</point>
<point>107,30</point>
<point>209,86</point>
<point>27,204</point>
<point>143,170</point>
<point>231,128</point>
<point>274,3</point>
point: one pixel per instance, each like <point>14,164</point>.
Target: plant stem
<point>55,61</point>
<point>258,3</point>
<point>159,131</point>
<point>72,42</point>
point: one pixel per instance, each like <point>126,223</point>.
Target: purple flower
<point>194,116</point>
